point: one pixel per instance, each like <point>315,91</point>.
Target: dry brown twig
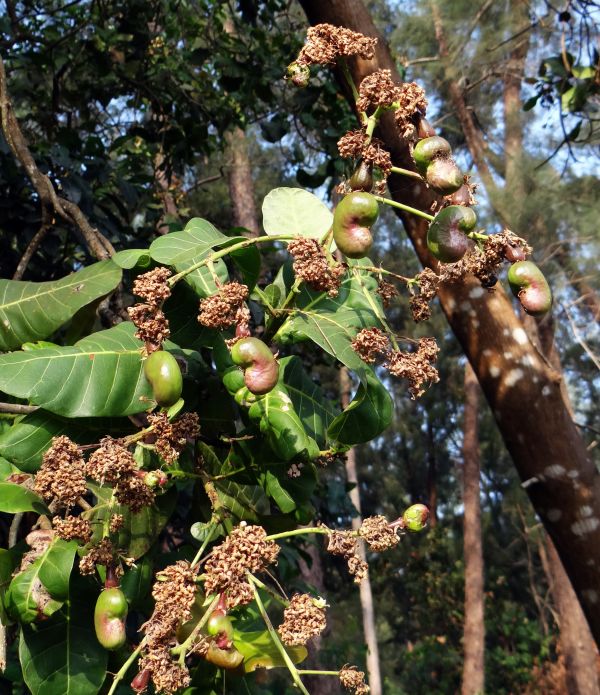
<point>51,203</point>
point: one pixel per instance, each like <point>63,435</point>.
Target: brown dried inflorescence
<point>61,478</point>
<point>171,437</point>
<point>484,263</point>
<point>377,89</point>
<point>302,619</point>
<point>224,308</point>
<point>153,287</point>
<point>72,527</point>
<point>355,145</point>
<point>152,326</point>
<point>101,553</point>
<point>353,679</point>
<point>174,592</point>
<point>412,105</point>
<point>116,523</point>
<point>244,550</point>
<point>326,42</point>
<point>387,291</point>
<point>370,344</point>
<point>112,463</point>
<point>416,366</point>
<point>345,543</point>
<point>378,534</point>
<point>429,283</point>
<point>310,264</point>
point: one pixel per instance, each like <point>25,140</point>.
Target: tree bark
<point>366,594</point>
<point>576,642</point>
<point>522,389</point>
<point>241,184</point>
<point>473,677</point>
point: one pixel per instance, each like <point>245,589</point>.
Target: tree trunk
<point>432,492</point>
<point>366,595</point>
<point>473,677</point>
<point>522,389</point>
<point>241,184</point>
<point>577,646</point>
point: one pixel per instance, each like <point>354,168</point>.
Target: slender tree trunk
<point>241,184</point>
<point>576,642</point>
<point>366,595</point>
<point>523,390</point>
<point>473,677</point>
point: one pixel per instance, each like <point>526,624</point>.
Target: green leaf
<point>6,570</point>
<point>247,260</point>
<point>137,582</point>
<point>295,211</point>
<point>101,375</point>
<point>26,441</point>
<point>62,656</point>
<point>246,502</point>
<point>31,311</point>
<point>139,530</point>
<point>15,498</point>
<point>260,651</point>
<point>130,258</point>
<point>51,572</point>
<point>183,249</point>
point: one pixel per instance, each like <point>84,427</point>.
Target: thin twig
<point>17,408</point>
<point>13,532</point>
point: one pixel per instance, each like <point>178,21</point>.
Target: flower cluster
<point>72,527</point>
<point>326,42</point>
<point>310,264</point>
<point>428,282</point>
<point>353,679</point>
<point>302,619</point>
<point>356,145</point>
<point>378,533</point>
<point>148,317</point>
<point>171,437</point>
<point>61,477</point>
<point>345,543</point>
<point>225,308</point>
<point>416,366</point>
<point>377,89</point>
<point>101,553</point>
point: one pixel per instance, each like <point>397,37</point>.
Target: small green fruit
<point>528,283</point>
<point>362,178</point>
<point>163,373</point>
<point>228,659</point>
<point>109,618</point>
<point>415,517</point>
<point>219,624</point>
<point>446,237</point>
<point>352,222</point>
<point>261,369</point>
<point>433,157</point>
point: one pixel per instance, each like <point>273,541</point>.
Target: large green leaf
<point>51,572</point>
<point>26,441</point>
<point>260,651</point>
<point>139,530</point>
<point>246,502</point>
<point>295,211</point>
<point>15,498</point>
<point>33,310</point>
<point>101,375</point>
<point>183,249</point>
<point>314,410</point>
<point>62,656</point>
<point>130,258</point>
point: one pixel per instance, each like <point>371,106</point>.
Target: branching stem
<point>406,208</point>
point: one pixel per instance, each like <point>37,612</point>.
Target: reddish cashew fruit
<point>446,237</point>
<point>261,370</point>
<point>362,178</point>
<point>433,157</point>
<point>415,517</point>
<point>529,285</point>
<point>164,374</point>
<point>352,222</point>
<point>109,618</point>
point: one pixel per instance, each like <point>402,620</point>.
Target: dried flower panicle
<point>116,523</point>
<point>377,89</point>
<point>152,326</point>
<point>225,308</point>
<point>171,437</point>
<point>416,366</point>
<point>370,344</point>
<point>485,264</point>
<point>72,528</point>
<point>345,543</point>
<point>302,619</point>
<point>167,674</point>
<point>354,145</point>
<point>101,553</point>
<point>353,679</point>
<point>153,287</point>
<point>326,42</point>
<point>61,477</point>
<point>244,550</point>
<point>387,291</point>
<point>412,105</point>
<point>310,264</point>
<point>378,533</point>
<point>429,283</point>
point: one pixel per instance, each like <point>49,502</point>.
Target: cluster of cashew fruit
<point>255,371</point>
<point>110,614</point>
<point>164,375</point>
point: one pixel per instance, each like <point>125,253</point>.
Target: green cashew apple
<point>164,374</point>
<point>228,659</point>
<point>219,624</point>
<point>362,178</point>
<point>352,222</point>
<point>109,618</point>
<point>433,157</point>
<point>261,369</point>
<point>528,283</point>
<point>415,517</point>
<point>446,237</point>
